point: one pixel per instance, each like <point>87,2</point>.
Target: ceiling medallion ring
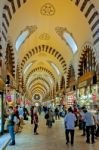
<point>44,36</point>
<point>47,9</point>
<point>37,97</point>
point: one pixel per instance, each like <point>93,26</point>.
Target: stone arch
<point>84,51</point>
<point>42,79</point>
<point>46,49</point>
<point>36,85</point>
<point>40,69</point>
<point>39,89</point>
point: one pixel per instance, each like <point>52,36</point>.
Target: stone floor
<point>4,139</point>
<point>49,139</point>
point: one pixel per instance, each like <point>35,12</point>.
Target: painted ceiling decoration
<point>37,97</point>
<point>47,9</point>
<point>86,7</point>
<point>44,36</point>
<point>46,49</point>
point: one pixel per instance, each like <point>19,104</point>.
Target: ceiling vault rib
<point>49,50</point>
<point>40,69</point>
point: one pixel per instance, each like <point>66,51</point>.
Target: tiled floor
<point>49,139</point>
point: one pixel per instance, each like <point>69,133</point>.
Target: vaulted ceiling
<point>44,56</point>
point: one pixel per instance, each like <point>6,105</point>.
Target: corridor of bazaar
<point>49,61</point>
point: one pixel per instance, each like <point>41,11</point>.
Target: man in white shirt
<point>69,122</point>
<point>90,126</point>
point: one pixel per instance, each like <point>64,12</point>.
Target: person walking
<point>82,117</point>
<point>35,121</point>
<point>69,122</point>
<point>31,113</point>
<point>11,120</point>
<point>90,126</point>
<point>57,116</point>
<point>50,118</point>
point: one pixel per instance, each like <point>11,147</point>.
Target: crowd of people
<point>74,117</point>
<point>86,120</point>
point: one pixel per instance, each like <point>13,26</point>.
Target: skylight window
<point>56,69</point>
<point>27,67</point>
<point>21,39</point>
<point>50,80</point>
<point>70,41</point>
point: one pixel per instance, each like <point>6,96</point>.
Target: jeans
<point>11,132</point>
<point>72,135</point>
<point>84,128</point>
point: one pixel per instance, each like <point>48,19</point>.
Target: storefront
<point>70,97</point>
<point>87,91</point>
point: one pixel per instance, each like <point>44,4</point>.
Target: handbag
<point>46,116</point>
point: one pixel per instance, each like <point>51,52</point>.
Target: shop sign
<point>86,76</point>
<point>82,84</point>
